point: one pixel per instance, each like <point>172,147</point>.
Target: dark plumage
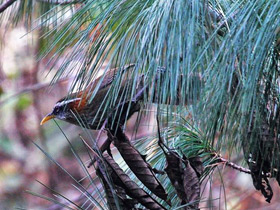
<point>78,108</point>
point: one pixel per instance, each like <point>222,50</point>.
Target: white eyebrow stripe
<point>66,102</point>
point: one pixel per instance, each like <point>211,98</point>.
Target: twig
<point>160,141</point>
<point>31,88</point>
<point>233,165</point>
<point>6,4</point>
<point>60,2</point>
<point>89,147</point>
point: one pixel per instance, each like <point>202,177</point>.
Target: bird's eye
<point>56,110</point>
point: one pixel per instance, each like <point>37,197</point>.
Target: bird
<point>78,108</point>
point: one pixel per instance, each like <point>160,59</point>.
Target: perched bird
<point>78,109</point>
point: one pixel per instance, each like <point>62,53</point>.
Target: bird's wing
<point>107,79</point>
<point>101,82</point>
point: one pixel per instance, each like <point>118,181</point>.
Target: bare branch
<point>234,166</point>
<point>6,4</point>
<point>32,88</point>
<point>60,2</point>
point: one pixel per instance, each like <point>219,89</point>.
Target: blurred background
<point>25,97</point>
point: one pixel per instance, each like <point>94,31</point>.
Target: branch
<point>6,4</point>
<point>32,88</point>
<point>233,165</point>
<point>60,2</point>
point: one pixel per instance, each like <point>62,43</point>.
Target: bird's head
<point>62,110</point>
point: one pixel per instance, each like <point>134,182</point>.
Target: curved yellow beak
<point>47,118</point>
